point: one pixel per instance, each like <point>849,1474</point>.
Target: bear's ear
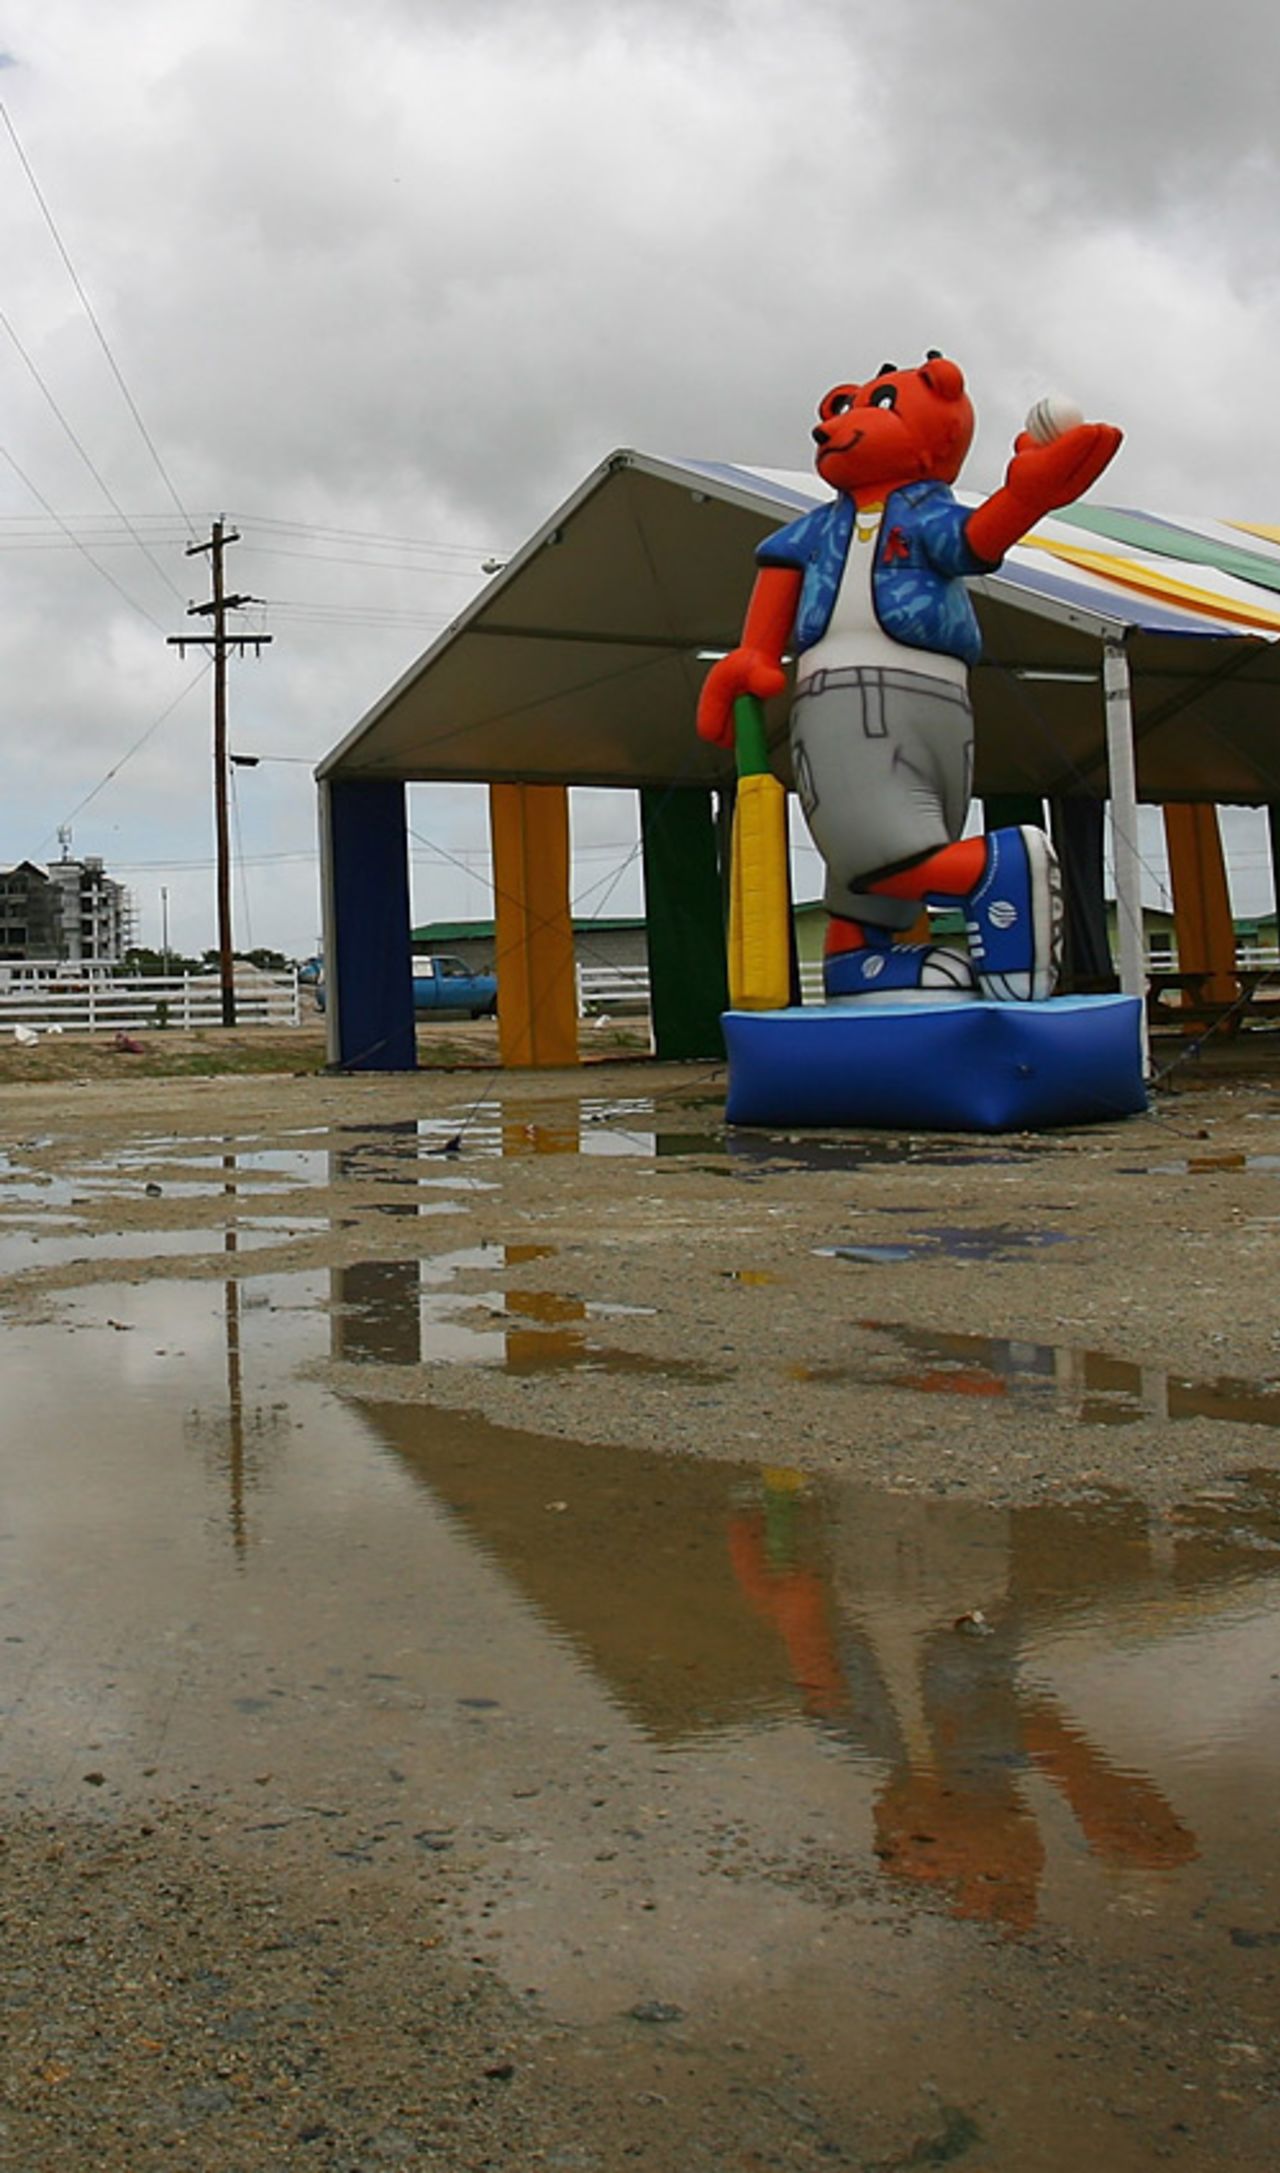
<point>943,377</point>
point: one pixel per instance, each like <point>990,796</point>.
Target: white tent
<point>581,660</point>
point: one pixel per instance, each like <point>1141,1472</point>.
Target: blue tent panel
<point>369,974</point>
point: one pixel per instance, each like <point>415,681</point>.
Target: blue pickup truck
<point>445,984</point>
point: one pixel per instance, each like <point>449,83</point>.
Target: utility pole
<point>220,641</point>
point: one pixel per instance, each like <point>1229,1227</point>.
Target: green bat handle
<point>750,744</point>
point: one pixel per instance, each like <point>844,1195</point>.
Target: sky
<point>380,284</point>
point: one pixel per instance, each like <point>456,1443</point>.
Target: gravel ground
<point>188,1982</point>
<point>710,1272</point>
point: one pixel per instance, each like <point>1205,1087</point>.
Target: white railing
<point>626,988</point>
<point>100,1005</point>
<point>612,988</point>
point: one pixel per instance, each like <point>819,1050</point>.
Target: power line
<point>198,864</point>
<point>393,613</point>
<point>138,744</point>
<point>83,548</point>
<point>258,522</point>
<point>98,478</point>
<point>166,520</point>
<point>375,565</point>
<point>87,305</point>
<point>102,540</point>
<point>478,551</point>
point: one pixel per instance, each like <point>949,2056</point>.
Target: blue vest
<point>917,578</point>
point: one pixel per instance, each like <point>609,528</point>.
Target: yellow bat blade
<point>759,947</point>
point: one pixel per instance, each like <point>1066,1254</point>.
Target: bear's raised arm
<point>1039,478</point>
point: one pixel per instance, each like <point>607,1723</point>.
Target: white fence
<point>612,988</point>
<point>626,988</point>
<point>102,1005</point>
<point>98,1005</point>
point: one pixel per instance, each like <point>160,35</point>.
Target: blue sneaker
<point>1013,919</point>
<point>898,973</point>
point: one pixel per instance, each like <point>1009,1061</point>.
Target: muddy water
<point>812,1773</point>
<point>1093,1387</point>
<point>901,1809</point>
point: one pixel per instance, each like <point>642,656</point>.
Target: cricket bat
<point>759,901</point>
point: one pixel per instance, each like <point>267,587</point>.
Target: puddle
<point>399,1208</point>
<point>950,1659</point>
<point>83,1189</point>
<point>663,1735</point>
<point>407,1313</point>
<point>601,1128</point>
<point>425,1156</point>
<point>1087,1385</point>
<point>886,1150</point>
<point>32,1248</point>
<point>1200,1165</point>
<point>944,1241</point>
<point>493,1129</point>
<point>234,1162</point>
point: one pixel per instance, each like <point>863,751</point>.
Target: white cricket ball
<point>1051,416</point>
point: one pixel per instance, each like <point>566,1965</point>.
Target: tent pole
<point>1123,776</point>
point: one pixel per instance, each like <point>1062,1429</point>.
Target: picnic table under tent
<point>1127,657</point>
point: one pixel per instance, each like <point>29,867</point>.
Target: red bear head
<point>900,427</point>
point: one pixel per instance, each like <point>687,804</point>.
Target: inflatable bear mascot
<point>868,593</point>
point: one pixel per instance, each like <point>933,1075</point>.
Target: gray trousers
<point>883,766</point>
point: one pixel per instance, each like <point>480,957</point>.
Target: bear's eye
<point>884,396</point>
<point>839,403</point>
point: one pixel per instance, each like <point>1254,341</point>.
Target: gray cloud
<point>375,270</point>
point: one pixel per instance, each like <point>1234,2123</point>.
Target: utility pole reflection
<point>234,1440</point>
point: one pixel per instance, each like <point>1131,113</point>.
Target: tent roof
<point>580,662</point>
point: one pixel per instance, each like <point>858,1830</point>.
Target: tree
<point>139,959</point>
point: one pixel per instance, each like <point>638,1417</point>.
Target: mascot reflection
<point>868,592</point>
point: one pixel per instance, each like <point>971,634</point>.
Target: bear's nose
<point>819,434</point>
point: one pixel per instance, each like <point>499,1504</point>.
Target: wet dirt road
<point>535,1633</point>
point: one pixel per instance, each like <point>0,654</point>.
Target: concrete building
<point>69,912</point>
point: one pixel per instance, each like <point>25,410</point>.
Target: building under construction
<point>66,913</point>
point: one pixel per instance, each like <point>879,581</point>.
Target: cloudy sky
<point>382,281</point>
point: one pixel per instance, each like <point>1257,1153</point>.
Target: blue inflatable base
<point>952,1067</point>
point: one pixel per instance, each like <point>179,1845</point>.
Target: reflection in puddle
<point>429,1154</point>
<point>297,1165</point>
<point>680,1721</point>
<point>886,1150</point>
<point>952,1243</point>
<point>1089,1385</point>
<point>951,1654</point>
<point>589,1128</point>
<point>31,1248</point>
<point>406,1313</point>
<point>1203,1165</point>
